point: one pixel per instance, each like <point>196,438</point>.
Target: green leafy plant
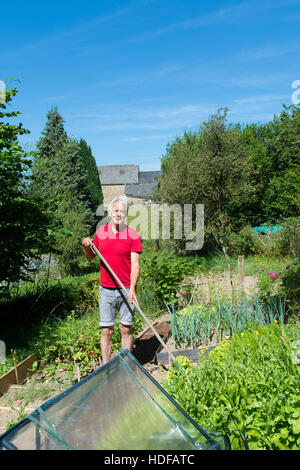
<point>195,325</point>
<point>192,325</point>
<point>75,340</point>
<point>246,388</point>
<point>64,319</point>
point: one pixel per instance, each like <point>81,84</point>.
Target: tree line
<point>48,197</point>
<point>245,175</point>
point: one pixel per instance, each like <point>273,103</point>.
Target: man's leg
<point>127,338</point>
<point>106,343</point>
<point>126,320</point>
<point>107,304</point>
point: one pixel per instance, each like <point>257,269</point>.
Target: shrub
<point>162,274</point>
<point>243,242</point>
<point>33,303</point>
<point>290,287</point>
<point>287,239</point>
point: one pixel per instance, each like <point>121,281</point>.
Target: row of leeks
<point>195,325</point>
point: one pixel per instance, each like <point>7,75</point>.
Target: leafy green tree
<point>23,220</point>
<point>282,140</point>
<point>243,174</point>
<point>210,167</point>
<point>274,151</point>
<point>250,211</point>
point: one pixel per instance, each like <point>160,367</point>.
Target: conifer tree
<point>60,174</point>
<point>46,180</point>
<point>93,183</point>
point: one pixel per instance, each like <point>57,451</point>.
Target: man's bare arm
<point>88,249</point>
<point>134,275</point>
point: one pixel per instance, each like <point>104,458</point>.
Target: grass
<point>217,264</point>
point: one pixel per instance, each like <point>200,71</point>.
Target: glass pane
<point>119,406</point>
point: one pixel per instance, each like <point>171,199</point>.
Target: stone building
<point>127,180</point>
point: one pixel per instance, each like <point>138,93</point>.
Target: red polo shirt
<point>116,249</point>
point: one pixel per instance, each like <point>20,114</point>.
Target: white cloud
<point>127,118</point>
<point>262,99</point>
<point>142,138</point>
<point>268,51</point>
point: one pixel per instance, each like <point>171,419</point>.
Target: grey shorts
<point>111,300</point>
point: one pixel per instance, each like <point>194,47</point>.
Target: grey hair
<point>121,199</point>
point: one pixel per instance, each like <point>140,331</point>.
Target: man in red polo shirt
<point>121,247</point>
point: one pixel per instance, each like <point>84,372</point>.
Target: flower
<point>227,337</point>
<point>275,321</point>
<point>287,340</point>
<point>256,333</point>
<point>242,334</point>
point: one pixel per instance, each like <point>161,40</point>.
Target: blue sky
<point>129,76</point>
